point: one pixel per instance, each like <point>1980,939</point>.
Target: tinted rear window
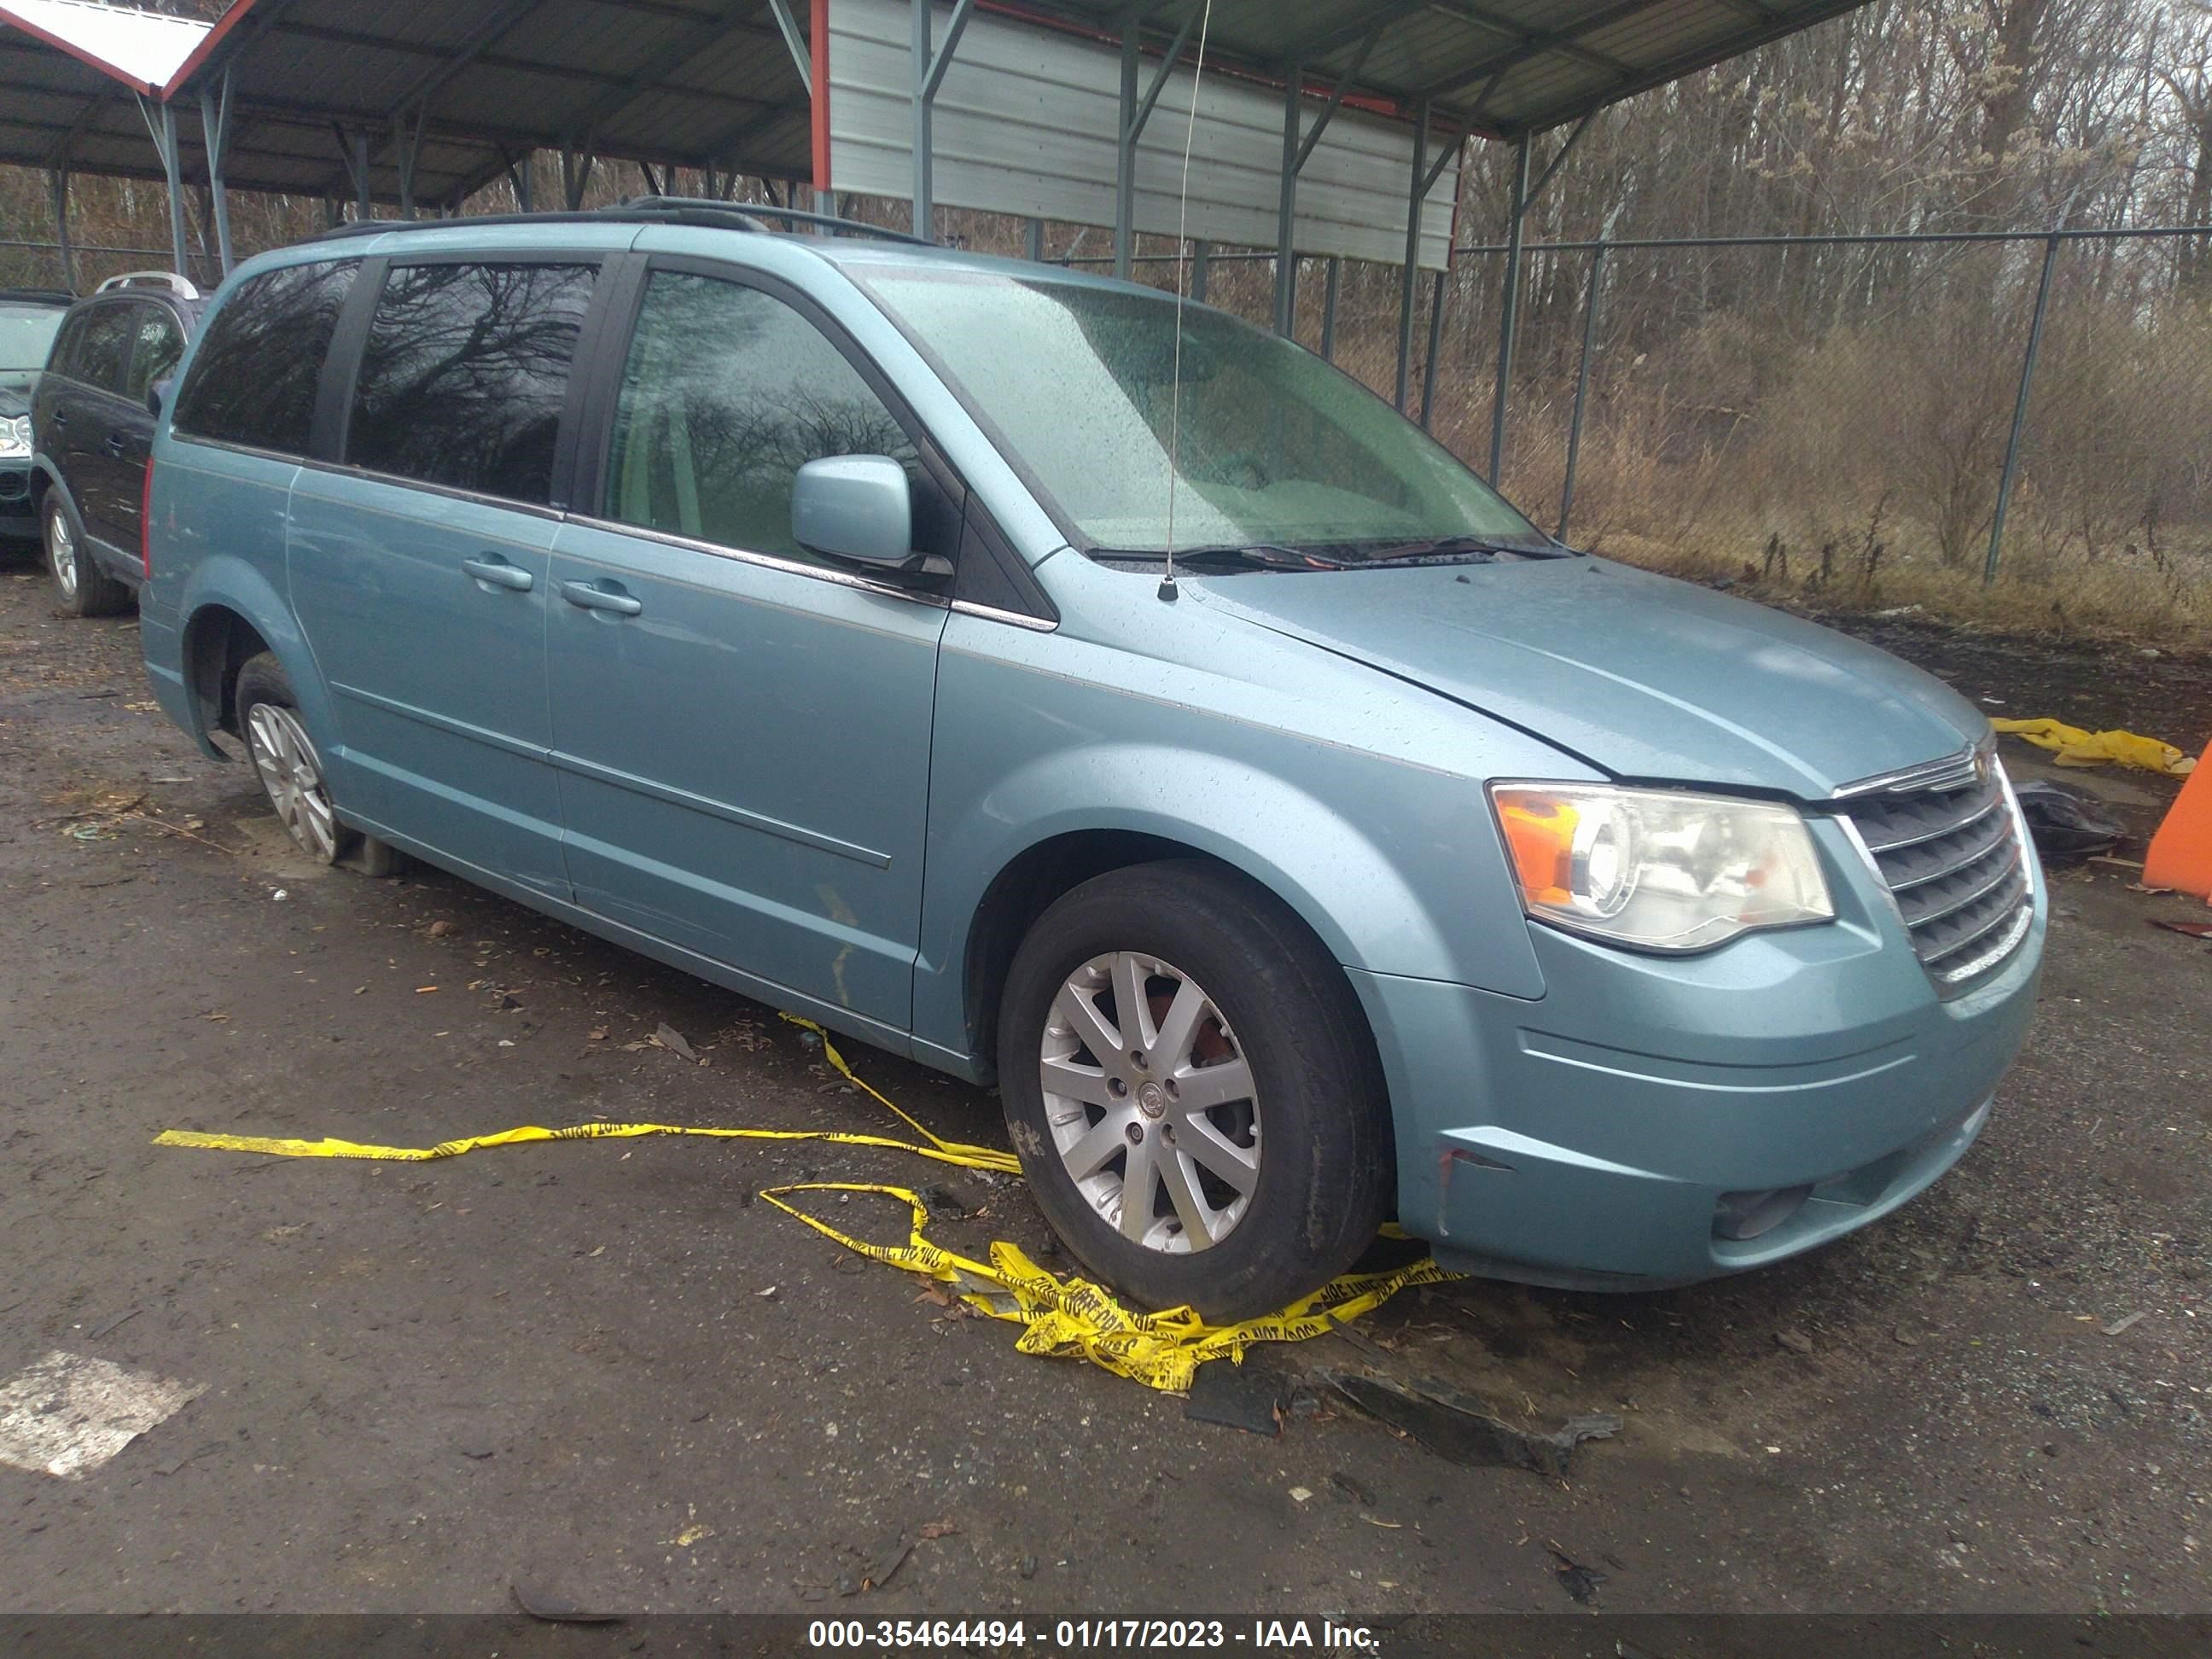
<point>103,351</point>
<point>253,378</point>
<point>464,374</point>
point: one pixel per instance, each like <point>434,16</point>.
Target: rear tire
<point>85,589</point>
<point>1245,1093</point>
<point>287,762</point>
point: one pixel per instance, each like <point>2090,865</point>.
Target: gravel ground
<point>603,1370</point>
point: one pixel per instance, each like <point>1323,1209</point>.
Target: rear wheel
<point>86,590</point>
<point>1193,1091</point>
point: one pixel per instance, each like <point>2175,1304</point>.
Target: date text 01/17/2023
<point>1093,1635</point>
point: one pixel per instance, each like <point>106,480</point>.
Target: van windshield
<point>1274,451</point>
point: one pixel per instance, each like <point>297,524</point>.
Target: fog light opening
<point>1741,1216</point>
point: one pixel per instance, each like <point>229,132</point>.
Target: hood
<point>1642,675</point>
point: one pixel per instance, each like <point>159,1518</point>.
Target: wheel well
<point>217,642</point>
<point>1030,885</point>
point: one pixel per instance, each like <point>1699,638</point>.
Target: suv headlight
<point>16,436</point>
<point>1658,869</point>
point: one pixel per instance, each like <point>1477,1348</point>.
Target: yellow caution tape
<point>1074,1318</point>
<point>2075,747</point>
<point>1069,1317</point>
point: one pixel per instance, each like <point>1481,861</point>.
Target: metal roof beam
<point>1485,18</point>
<point>734,19</point>
<point>1320,44</point>
<point>1535,45</point>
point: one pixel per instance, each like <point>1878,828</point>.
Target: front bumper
<point>1612,1134</point>
<point>17,516</point>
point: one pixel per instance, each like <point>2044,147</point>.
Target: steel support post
<point>2020,410</point>
<point>929,67</point>
<point>162,125</point>
<point>58,183</point>
<point>1435,344</point>
<point>1416,194</point>
<point>1329,308</point>
<point>1581,386</point>
<point>1125,131</point>
<point>363,207</point>
<point>1201,256</point>
<point>1033,247</point>
<point>215,137</point>
<point>1286,206</point>
<point>1509,311</point>
<point>924,160</point>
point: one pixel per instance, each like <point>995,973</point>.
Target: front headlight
<point>1658,869</point>
<point>16,436</point>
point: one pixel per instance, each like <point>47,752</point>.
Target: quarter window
<point>103,352</point>
<point>253,381</point>
<point>159,343</point>
<point>464,374</point>
<point>728,392</point>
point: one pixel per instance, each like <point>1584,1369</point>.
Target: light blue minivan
<point>798,610</point>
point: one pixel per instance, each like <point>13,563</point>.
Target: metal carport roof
<point>699,82</point>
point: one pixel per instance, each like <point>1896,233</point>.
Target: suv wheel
<point>1193,1091</point>
<point>86,589</point>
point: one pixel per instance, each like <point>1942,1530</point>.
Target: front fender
<point>1389,859</point>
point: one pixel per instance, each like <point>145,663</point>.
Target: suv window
<point>464,372</point>
<point>103,350</point>
<point>157,342</point>
<point>728,392</point>
<point>253,378</point>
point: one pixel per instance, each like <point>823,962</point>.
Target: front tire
<point>85,589</point>
<point>1193,1091</point>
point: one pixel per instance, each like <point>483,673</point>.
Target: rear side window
<point>156,343</point>
<point>103,351</point>
<point>253,378</point>
<point>464,372</point>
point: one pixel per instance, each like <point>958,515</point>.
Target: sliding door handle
<point>591,597</point>
<point>498,573</point>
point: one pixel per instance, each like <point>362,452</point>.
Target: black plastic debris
<point>2066,822</point>
<point>1249,1396</point>
<point>1455,1425</point>
<point>543,1602</point>
<point>1579,1581</point>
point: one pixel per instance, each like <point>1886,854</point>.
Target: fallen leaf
<point>670,1038</point>
<point>938,1529</point>
<point>598,1035</point>
<point>424,990</point>
<point>440,929</point>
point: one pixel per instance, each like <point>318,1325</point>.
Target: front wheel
<point>285,760</point>
<point>1193,1091</point>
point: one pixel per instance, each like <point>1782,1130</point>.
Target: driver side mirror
<point>859,507</point>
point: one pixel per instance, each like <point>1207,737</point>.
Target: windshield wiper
<point>1445,549</point>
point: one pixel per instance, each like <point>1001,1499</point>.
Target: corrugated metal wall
<point>1025,124</point>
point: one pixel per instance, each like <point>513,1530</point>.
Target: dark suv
<point>28,319</point>
<point>92,429</point>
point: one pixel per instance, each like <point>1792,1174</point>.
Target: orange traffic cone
<point>2180,855</point>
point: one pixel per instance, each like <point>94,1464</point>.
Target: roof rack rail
<point>642,210</point>
<point>707,210</point>
<point>183,287</point>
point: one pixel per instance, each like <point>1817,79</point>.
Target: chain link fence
<point>1865,421</point>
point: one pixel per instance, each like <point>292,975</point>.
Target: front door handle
<point>498,572</point>
<point>591,597</point>
<point>116,443</point>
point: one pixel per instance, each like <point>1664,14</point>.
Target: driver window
<point>726,393</point>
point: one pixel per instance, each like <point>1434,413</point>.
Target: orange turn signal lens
<point>1540,832</point>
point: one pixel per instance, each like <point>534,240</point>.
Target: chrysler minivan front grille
<point>1950,851</point>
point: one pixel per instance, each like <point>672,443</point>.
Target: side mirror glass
<point>854,507</point>
<point>157,395</point>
